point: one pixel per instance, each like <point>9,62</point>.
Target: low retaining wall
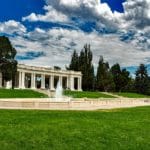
<point>74,104</point>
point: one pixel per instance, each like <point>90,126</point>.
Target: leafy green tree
<point>121,78</point>
<point>104,79</point>
<point>8,64</point>
<point>142,80</point>
<point>125,80</point>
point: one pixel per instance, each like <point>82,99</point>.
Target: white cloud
<point>63,11</point>
<point>136,14</point>
<point>58,45</point>
<point>11,27</point>
<point>51,16</point>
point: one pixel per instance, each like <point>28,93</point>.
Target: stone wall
<point>74,104</point>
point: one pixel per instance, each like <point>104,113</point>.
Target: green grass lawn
<point>77,94</point>
<point>9,93</point>
<point>132,95</point>
<point>75,130</point>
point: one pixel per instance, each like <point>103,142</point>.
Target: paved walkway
<point>73,104</point>
<point>111,94</point>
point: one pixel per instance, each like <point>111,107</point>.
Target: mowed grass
<point>75,130</point>
<point>132,95</point>
<point>82,94</point>
<point>9,93</point>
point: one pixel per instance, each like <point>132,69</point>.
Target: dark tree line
<point>114,79</point>
<point>8,64</point>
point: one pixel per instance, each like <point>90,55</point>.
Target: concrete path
<point>73,104</point>
<point>111,94</point>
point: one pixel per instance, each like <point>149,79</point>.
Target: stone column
<point>43,81</point>
<point>1,79</point>
<point>60,81</point>
<point>33,80</point>
<point>79,84</point>
<point>20,80</point>
<point>52,82</point>
<point>67,82</point>
<point>23,80</point>
<point>71,83</point>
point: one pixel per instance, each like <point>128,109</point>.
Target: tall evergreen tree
<point>101,72</point>
<point>141,80</point>
<point>104,80</point>
<point>8,64</point>
<point>74,65</point>
<point>86,67</point>
<point>83,63</point>
<point>116,72</point>
<point>125,80</point>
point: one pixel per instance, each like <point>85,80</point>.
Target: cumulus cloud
<point>129,46</point>
<point>136,15</point>
<point>51,15</point>
<point>11,27</point>
<point>58,45</point>
<point>63,11</point>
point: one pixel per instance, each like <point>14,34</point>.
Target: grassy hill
<point>78,94</point>
<point>9,93</point>
<point>73,130</point>
<point>132,95</point>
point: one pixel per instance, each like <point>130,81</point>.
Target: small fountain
<point>8,84</point>
<point>59,93</point>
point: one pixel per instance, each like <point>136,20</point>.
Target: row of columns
<point>70,81</point>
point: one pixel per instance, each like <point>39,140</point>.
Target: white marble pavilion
<point>45,78</point>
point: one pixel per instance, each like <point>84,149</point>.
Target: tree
<point>116,73</point>
<point>57,68</point>
<point>83,63</point>
<point>125,80</point>
<point>87,68</point>
<point>8,66</point>
<point>142,80</point>
<point>121,78</point>
<point>104,79</point>
<point>74,65</point>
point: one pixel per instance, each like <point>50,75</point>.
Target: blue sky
<point>16,9</point>
<point>45,32</point>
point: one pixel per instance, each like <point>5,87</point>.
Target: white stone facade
<point>47,78</point>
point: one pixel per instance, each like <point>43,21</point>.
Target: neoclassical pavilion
<point>45,78</point>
